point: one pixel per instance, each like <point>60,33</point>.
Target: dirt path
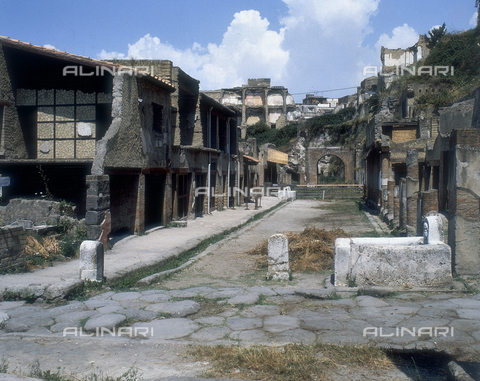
<point>229,266</point>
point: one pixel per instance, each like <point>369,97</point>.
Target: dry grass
<point>40,251</point>
<point>293,362</point>
<point>47,248</point>
<point>312,249</point>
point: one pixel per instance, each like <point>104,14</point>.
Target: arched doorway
<point>330,170</point>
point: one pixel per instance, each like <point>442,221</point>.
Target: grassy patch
<point>295,362</point>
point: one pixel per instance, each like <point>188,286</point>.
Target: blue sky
<point>305,45</point>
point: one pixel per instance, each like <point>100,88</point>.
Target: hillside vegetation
<point>341,128</point>
<point>460,50</point>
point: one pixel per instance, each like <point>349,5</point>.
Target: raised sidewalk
<point>131,253</point>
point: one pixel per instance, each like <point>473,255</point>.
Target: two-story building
<point>125,142</point>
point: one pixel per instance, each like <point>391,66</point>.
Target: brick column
<point>98,204</point>
<point>412,192</point>
<point>429,202</point>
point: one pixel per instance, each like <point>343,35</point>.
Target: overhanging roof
<point>250,160</point>
<point>278,157</point>
<point>80,60</point>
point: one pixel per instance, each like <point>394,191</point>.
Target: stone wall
<point>464,201</point>
<point>458,116</point>
<point>40,212</point>
<point>12,248</point>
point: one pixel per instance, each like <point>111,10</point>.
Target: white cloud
<point>248,49</point>
<point>318,47</point>
<point>402,37</point>
<point>325,40</point>
<point>48,46</point>
<point>473,20</point>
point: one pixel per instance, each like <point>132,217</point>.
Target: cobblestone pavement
<point>151,329</point>
<point>245,316</point>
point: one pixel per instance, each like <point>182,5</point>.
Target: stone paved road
<point>255,315</point>
<point>151,329</point>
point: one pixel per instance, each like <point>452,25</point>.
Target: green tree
<point>435,35</point>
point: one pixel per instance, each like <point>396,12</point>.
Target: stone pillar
<point>191,196</point>
<point>403,203</point>
<point>433,230</point>
<point>167,200</point>
<point>390,199</point>
<point>244,110</point>
<point>464,201</point>
<point>386,172</point>
<point>396,205</point>
<point>278,263</point>
<point>266,107</point>
<point>412,193</point>
<point>140,209</point>
<point>91,261</point>
<point>98,204</point>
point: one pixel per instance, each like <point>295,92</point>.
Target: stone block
<point>397,262</point>
<point>98,185</point>
<point>278,262</point>
<point>91,261</point>
<point>342,258</point>
<point>93,217</point>
<point>94,232</point>
<point>98,202</point>
<point>433,230</point>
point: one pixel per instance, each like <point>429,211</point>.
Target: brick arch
<point>313,155</point>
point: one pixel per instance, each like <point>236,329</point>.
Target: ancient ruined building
<point>258,102</point>
<point>420,161</point>
<point>125,144</point>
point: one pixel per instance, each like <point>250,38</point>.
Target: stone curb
<point>53,291</point>
<point>457,373</point>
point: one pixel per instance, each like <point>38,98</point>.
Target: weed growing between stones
<point>469,288</point>
<point>297,362</point>
<point>4,364</point>
<point>35,371</point>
